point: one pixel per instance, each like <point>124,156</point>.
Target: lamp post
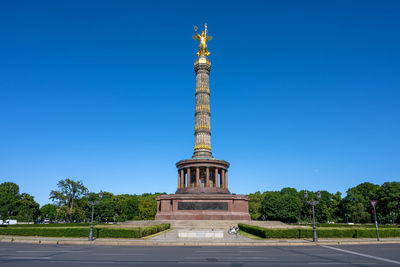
<point>373,204</point>
<point>313,203</point>
<point>93,203</point>
<point>393,214</point>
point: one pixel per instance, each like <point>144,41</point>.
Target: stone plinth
<point>202,207</point>
<point>201,234</point>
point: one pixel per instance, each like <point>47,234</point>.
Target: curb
<point>188,243</point>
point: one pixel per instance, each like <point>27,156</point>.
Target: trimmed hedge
<point>84,231</point>
<point>48,225</point>
<point>341,225</point>
<point>324,233</point>
<point>41,231</point>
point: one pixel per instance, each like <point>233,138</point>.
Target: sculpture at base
<point>203,39</point>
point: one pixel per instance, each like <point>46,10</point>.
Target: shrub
<point>49,225</point>
<point>41,231</point>
<point>323,233</point>
<point>84,231</point>
<point>255,230</point>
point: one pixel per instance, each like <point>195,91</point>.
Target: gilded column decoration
<point>202,129</point>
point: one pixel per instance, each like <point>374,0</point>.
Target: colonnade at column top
<point>202,177</point>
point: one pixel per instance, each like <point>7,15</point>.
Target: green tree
<point>255,201</point>
<point>148,206</point>
<point>66,195</point>
<point>27,208</point>
<point>283,206</point>
<point>49,211</point>
<point>9,195</point>
<point>388,197</point>
<point>127,207</point>
<point>106,209</point>
<point>357,202</point>
<point>327,208</point>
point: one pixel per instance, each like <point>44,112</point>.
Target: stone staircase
<point>206,224</point>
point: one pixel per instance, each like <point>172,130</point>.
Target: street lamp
<point>313,203</point>
<point>393,214</point>
<point>93,203</point>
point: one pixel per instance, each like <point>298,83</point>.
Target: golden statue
<point>203,39</point>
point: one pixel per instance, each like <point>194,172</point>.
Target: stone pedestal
<point>202,207</point>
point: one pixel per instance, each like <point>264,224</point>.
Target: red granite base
<point>202,207</point>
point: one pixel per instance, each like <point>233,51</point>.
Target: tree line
<point>70,204</point>
<point>289,205</point>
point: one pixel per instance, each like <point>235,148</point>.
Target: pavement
<point>18,254</point>
<point>170,238</point>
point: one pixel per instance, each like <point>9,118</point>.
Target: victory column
<point>202,192</point>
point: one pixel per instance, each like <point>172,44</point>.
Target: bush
<point>269,233</point>
<point>323,233</point>
<point>50,225</point>
<point>49,232</point>
<point>341,225</point>
<point>84,231</point>
<point>255,230</point>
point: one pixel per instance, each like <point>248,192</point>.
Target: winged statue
<point>203,39</point>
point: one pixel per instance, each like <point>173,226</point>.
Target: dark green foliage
<point>68,193</point>
<point>83,231</point>
<point>28,208</point>
<point>356,205</point>
<point>388,205</point>
<point>49,211</point>
<point>282,206</point>
<point>9,193</point>
<point>255,205</point>
<point>14,205</point>
<point>51,225</point>
<point>49,232</point>
<point>352,225</point>
<point>127,207</point>
<point>130,233</point>
<point>322,233</point>
<point>254,230</point>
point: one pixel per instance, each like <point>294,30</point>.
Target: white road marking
<point>215,251</point>
<point>197,263</point>
<point>25,258</point>
<point>206,257</point>
<point>352,263</point>
<point>363,255</point>
<point>119,254</point>
<point>49,251</point>
<point>89,262</point>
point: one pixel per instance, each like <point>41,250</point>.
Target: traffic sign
<point>373,203</point>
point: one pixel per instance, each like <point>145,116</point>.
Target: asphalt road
<point>17,254</point>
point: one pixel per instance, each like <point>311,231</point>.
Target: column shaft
<point>182,178</point>
<point>223,178</point>
<point>197,176</point>
<point>188,177</point>
<point>216,177</point>
<point>207,177</point>
<point>179,180</point>
<point>226,179</point>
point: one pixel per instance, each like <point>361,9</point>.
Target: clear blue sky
<point>304,94</point>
